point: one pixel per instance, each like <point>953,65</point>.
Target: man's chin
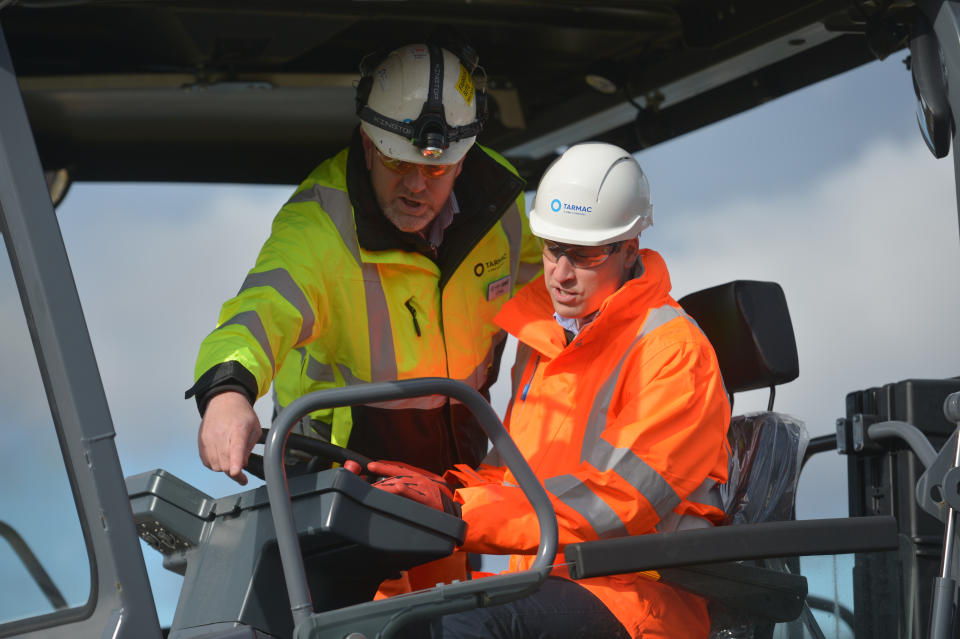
<point>410,223</point>
<point>569,312</point>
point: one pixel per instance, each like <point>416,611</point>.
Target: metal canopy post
<point>121,603</point>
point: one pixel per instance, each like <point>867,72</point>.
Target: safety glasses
<point>579,256</point>
<point>428,171</point>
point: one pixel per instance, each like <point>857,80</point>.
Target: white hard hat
<point>420,105</point>
<point>593,194</point>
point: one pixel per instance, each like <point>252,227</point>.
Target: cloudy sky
<point>829,191</point>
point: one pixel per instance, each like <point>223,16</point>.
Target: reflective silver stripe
<point>513,230</point>
<point>657,317</point>
<point>577,495</point>
<point>280,280</point>
<point>638,473</point>
<point>252,322</point>
<point>336,204</point>
<point>707,493</point>
<point>304,427</point>
<point>383,357</point>
<point>320,372</point>
<point>429,402</point>
<point>527,272</point>
<point>601,404</point>
<point>674,522</point>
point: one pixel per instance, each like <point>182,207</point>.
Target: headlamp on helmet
<point>451,108</point>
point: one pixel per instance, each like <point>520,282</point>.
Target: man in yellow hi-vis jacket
<point>388,262</point>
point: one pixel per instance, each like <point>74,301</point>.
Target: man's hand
<point>228,432</point>
<point>416,484</point>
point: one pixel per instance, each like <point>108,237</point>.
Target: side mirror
<point>58,183</point>
<point>929,83</point>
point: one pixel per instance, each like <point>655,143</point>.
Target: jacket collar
<point>529,315</point>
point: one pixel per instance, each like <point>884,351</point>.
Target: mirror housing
<point>929,84</point>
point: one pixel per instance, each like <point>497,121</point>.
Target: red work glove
<point>416,484</point>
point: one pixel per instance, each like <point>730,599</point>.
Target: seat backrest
<point>749,325</point>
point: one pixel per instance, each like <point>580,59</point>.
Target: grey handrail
<point>908,433</point>
<point>279,494</point>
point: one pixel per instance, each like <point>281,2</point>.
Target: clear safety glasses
<point>580,256</point>
<point>428,171</point>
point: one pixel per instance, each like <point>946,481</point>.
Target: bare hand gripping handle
<point>282,510</point>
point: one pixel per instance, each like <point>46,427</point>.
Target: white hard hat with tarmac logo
<point>593,194</point>
<point>419,104</point>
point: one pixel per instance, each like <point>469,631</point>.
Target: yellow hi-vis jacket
<point>338,296</point>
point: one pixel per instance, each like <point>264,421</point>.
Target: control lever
<point>316,448</point>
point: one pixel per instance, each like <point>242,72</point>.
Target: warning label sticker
<point>465,85</point>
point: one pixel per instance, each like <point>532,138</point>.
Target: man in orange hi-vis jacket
<point>618,406</point>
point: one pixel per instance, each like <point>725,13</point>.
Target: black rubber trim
<point>731,543</point>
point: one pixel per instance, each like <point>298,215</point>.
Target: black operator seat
<point>749,325</point>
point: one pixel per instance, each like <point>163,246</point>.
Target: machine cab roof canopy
<point>201,91</point>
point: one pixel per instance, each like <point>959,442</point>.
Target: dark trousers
<point>560,609</point>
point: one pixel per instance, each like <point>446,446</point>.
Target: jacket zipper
<point>413,315</point>
<point>526,388</point>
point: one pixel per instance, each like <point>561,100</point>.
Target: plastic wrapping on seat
<point>766,452</point>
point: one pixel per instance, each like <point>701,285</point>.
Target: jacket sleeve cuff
<point>227,376</point>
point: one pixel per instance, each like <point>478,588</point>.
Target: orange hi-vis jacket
<point>626,427</point>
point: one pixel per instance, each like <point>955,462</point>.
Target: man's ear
<point>367,149</point>
<point>631,250</point>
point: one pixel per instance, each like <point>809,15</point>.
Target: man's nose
<point>414,180</point>
<point>564,271</point>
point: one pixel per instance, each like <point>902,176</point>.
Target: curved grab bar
<point>908,433</point>
<point>279,494</point>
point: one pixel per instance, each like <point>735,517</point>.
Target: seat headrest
<point>749,326</point>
